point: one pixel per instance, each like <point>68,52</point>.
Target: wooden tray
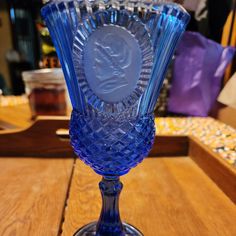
<point>182,188</point>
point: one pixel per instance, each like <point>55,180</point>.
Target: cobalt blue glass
<point>114,55</point>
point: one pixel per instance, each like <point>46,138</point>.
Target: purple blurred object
<point>197,77</point>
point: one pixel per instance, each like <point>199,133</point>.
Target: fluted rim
<point>141,5</point>
<point>60,14</point>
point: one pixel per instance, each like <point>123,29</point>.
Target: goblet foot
<point>90,230</point>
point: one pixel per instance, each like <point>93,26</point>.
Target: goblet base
<point>90,230</point>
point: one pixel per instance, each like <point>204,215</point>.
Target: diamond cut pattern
<point>110,145</point>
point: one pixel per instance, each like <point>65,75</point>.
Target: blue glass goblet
<point>114,56</point>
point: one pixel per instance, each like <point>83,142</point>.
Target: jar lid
<point>54,75</point>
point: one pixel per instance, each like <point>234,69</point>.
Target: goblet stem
<point>109,223</point>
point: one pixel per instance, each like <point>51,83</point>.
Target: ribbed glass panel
<point>114,55</point>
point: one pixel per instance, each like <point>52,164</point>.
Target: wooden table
<point>33,193</point>
<point>169,196</point>
<point>164,195</point>
<point>182,189</point>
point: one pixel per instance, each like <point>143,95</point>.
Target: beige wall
<point>5,39</point>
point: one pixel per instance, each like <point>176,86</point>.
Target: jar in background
<point>46,91</point>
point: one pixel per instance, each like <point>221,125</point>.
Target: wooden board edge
<point>38,122</point>
<point>222,173</point>
<point>39,140</point>
<point>169,145</point>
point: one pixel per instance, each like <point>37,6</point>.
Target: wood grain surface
<point>32,195</point>
<point>221,172</point>
<point>167,145</point>
<point>39,140</point>
<point>18,116</point>
<point>162,197</point>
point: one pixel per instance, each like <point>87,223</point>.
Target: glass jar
<point>46,91</point>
